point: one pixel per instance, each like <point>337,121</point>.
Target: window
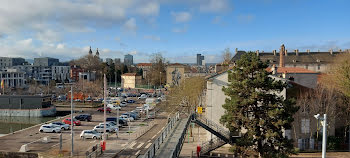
<point>305,126</point>
<point>318,67</point>
<point>306,66</point>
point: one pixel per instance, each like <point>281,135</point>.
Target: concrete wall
<point>313,67</point>
<point>4,154</point>
<point>215,98</point>
<point>29,112</point>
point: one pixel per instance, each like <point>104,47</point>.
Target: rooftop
<point>291,70</point>
<point>144,64</point>
<point>129,74</point>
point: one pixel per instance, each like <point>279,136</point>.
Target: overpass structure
<point>171,145</point>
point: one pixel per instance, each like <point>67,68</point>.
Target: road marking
<point>93,141</point>
<point>153,136</point>
<point>162,128</point>
<point>148,145</point>
<point>132,145</point>
<point>137,152</point>
<point>139,146</point>
<point>123,145</point>
<point>158,132</point>
<point>149,140</point>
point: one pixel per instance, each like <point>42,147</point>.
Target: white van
<point>112,106</point>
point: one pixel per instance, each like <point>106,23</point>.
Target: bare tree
<point>226,56</point>
<point>157,74</point>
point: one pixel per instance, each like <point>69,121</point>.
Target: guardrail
<point>160,139</point>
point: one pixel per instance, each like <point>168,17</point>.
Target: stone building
<point>74,72</point>
<point>130,80</point>
<point>314,61</point>
<point>175,74</point>
<point>146,68</point>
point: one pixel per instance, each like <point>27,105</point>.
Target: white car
<point>90,134</point>
<point>111,125</point>
<point>143,96</point>
<point>100,129</point>
<point>114,107</point>
<point>49,128</point>
<point>61,125</point>
<point>139,109</point>
<point>126,117</point>
<point>122,104</point>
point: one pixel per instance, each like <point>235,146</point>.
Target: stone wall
<point>29,112</point>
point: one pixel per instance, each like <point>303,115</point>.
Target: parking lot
<point>33,137</point>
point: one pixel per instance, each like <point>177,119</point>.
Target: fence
<point>165,132</point>
<point>96,151</point>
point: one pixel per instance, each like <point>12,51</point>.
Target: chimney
<point>274,52</point>
<point>296,52</point>
<point>282,50</point>
<point>257,53</point>
<point>286,53</point>
<point>284,74</point>
<point>331,51</point>
<point>308,51</point>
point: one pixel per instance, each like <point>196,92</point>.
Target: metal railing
<point>96,151</point>
<point>212,145</point>
<point>217,127</point>
<point>151,151</point>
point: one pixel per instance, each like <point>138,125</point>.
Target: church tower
<point>90,51</point>
<point>282,52</point>
<point>97,53</point>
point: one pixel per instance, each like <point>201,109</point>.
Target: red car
<point>68,121</point>
<point>102,110</point>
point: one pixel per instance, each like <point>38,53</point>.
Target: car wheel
<point>62,128</point>
<point>94,137</point>
<point>107,130</point>
<point>41,131</point>
<point>54,131</point>
<point>82,137</point>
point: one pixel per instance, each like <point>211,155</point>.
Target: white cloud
<point>60,46</point>
<point>130,25</point>
<point>25,43</point>
<point>180,30</point>
<point>245,18</point>
<point>180,17</point>
<point>151,37</point>
<point>148,9</point>
<point>215,6</point>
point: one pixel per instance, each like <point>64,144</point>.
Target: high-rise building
<point>9,62</point>
<point>109,61</point>
<point>116,61</point>
<point>46,61</point>
<point>200,58</point>
<point>128,60</point>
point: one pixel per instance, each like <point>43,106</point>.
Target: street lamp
<point>324,136</point>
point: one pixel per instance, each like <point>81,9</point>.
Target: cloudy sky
<point>178,29</point>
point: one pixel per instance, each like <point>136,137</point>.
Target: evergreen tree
<point>253,105</point>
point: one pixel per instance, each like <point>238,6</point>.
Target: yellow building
<point>130,80</point>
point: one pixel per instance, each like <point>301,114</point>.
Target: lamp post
<point>71,120</point>
<point>324,135</point>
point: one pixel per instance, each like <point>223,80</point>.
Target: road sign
<point>199,110</point>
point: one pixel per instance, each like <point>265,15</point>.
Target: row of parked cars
<point>56,127</point>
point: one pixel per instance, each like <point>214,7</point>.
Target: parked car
<point>143,96</point>
<point>102,109</point>
<point>139,109</point>
<point>100,128</point>
<point>84,117</point>
<point>61,125</point>
<point>68,121</point>
<point>126,117</point>
<point>131,101</point>
<point>77,100</point>
<point>90,134</point>
<point>112,125</point>
<point>131,114</point>
<point>114,119</point>
<point>115,124</point>
<point>113,106</point>
<point>123,104</point>
<point>49,128</point>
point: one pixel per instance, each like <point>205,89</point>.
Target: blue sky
<point>178,29</point>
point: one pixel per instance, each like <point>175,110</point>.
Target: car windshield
<point>94,132</point>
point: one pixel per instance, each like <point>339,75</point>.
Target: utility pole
<point>324,142</point>
<point>115,82</point>
<point>104,106</point>
<point>71,119</point>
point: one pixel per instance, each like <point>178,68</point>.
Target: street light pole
<point>104,106</point>
<point>71,119</point>
<point>324,142</point>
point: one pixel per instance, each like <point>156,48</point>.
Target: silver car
<point>90,134</point>
<point>61,125</point>
<point>99,128</point>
